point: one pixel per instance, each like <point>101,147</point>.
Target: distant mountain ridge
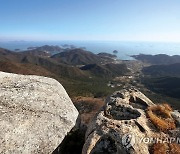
<point>160,59</point>
<point>104,54</point>
<point>36,52</point>
<point>163,76</point>
<point>47,63</point>
<point>46,50</point>
<point>63,64</point>
<point>77,57</point>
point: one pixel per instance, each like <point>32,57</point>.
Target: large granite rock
<point>119,126</point>
<point>35,114</point>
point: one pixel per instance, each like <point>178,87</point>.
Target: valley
<point>85,74</point>
<point>90,78</point>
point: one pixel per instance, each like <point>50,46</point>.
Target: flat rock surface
<point>35,114</point>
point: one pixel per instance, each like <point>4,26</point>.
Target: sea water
<point>125,48</point>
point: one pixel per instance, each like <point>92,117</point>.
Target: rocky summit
<point>124,127</point>
<point>36,113</point>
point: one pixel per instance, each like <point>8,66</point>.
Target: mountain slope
<point>158,59</point>
<point>60,69</point>
<point>104,54</point>
<point>36,52</point>
<point>97,70</point>
<point>77,57</point>
<point>26,69</point>
<point>50,48</point>
<point>49,64</point>
<point>163,70</point>
<point>168,86</point>
<point>107,70</point>
<point>7,55</point>
<point>45,51</point>
<point>117,69</point>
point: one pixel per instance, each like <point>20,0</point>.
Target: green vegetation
<point>160,59</point>
<point>96,87</point>
<point>169,86</point>
<point>163,89</point>
<point>91,81</point>
<point>172,70</point>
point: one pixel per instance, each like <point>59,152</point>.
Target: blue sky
<point>135,20</point>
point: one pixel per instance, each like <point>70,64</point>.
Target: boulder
<point>36,113</point>
<point>119,127</point>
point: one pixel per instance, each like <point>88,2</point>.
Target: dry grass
<point>167,106</point>
<point>164,148</point>
<point>160,115</point>
<point>160,148</point>
<point>174,148</point>
<point>88,107</point>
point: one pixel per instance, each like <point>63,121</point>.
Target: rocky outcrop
<point>36,113</point>
<point>122,126</point>
<point>176,116</point>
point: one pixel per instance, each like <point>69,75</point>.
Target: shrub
<point>164,148</point>
<point>160,148</point>
<point>160,115</point>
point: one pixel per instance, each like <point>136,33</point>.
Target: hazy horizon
<point>103,20</point>
<point>124,48</point>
